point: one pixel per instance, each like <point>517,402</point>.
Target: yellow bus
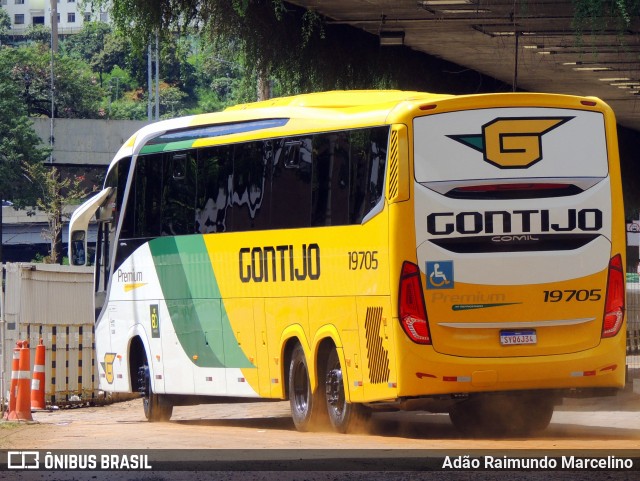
<point>354,251</point>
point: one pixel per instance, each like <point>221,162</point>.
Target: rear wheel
<point>156,408</point>
<point>343,416</point>
<point>503,414</point>
<point>306,406</point>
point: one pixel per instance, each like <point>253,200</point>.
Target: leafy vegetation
<point>18,143</point>
<point>55,192</point>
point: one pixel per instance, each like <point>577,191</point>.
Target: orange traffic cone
<point>38,381</point>
<point>22,411</point>
<point>15,367</point>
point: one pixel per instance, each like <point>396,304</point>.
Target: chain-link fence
<point>633,323</point>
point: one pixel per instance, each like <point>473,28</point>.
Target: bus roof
<point>341,100</point>
<point>326,111</point>
<point>297,115</point>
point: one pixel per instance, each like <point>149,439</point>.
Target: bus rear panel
<point>517,213</point>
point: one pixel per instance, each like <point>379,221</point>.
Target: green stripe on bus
<point>194,302</point>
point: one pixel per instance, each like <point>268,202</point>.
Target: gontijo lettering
<point>502,221</point>
<point>279,263</point>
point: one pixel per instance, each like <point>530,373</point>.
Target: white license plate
<point>512,338</point>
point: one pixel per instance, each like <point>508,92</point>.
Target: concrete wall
<point>86,142</point>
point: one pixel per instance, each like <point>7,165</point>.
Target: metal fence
<point>52,303</point>
<point>633,323</point>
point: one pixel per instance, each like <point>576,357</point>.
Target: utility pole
<point>54,26</point>
<point>54,50</point>
<point>157,77</point>
<point>149,84</point>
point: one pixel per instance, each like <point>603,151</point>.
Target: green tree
<point>592,16</point>
<point>5,24</point>
<point>55,192</point>
<point>88,43</point>
<point>272,38</point>
<point>97,46</point>
<point>289,48</point>
<point>39,34</point>
<point>19,144</point>
<point>77,93</point>
<point>117,52</point>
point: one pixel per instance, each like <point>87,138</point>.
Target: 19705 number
<point>568,295</point>
<point>367,260</point>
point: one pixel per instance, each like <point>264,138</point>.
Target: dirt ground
<point>610,424</point>
<point>577,424</point>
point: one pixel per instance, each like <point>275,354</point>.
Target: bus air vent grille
<point>378,356</point>
<point>393,165</point>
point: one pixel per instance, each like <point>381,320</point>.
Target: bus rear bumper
<point>579,373</point>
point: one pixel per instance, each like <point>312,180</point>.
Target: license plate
<point>513,338</point>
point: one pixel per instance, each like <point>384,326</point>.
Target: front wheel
<point>156,409</point>
<point>343,416</point>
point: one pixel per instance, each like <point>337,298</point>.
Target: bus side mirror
<point>78,248</point>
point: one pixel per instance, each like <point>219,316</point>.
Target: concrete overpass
<point>495,36</point>
<point>85,142</point>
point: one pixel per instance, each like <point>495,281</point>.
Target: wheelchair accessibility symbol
<point>440,275</point>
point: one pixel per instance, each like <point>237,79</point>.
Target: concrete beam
<point>86,142</point>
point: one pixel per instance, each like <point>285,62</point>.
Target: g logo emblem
<point>107,366</point>
<point>512,143</point>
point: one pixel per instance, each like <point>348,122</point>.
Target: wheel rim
<point>335,391</point>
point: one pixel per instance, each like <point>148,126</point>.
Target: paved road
<point>231,433</point>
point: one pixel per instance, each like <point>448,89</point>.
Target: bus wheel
<point>343,416</point>
<point>155,406</point>
<point>306,405</point>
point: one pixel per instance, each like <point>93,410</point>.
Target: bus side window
<point>144,206</point>
<point>213,200</point>
<point>291,183</point>
<point>179,194</point>
<point>330,196</point>
<point>368,161</point>
<point>250,195</point>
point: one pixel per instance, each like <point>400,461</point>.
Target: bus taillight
<point>614,303</point>
<point>412,311</point>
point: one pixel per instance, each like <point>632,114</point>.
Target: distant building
<point>71,15</point>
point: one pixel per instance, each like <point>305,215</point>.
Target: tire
<point>343,416</point>
<point>306,406</point>
<point>501,415</point>
<point>156,408</point>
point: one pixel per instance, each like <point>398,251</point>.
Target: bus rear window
<point>504,146</point>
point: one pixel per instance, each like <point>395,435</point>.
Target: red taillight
<point>614,303</point>
<point>412,311</point>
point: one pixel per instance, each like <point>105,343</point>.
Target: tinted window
<point>368,157</point>
<point>325,179</point>
<point>180,177</point>
<point>249,198</point>
<point>145,198</point>
<point>330,199</point>
<point>213,198</point>
<point>291,183</point>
